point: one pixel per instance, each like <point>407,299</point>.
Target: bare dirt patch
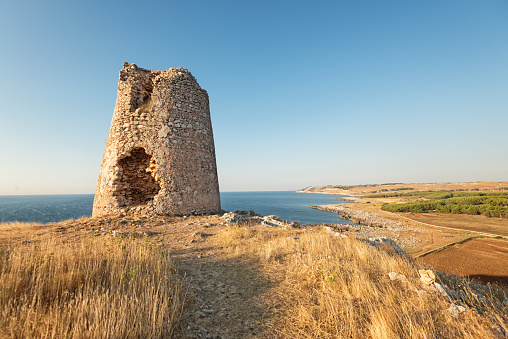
<point>477,223</point>
<point>225,290</point>
<point>482,258</point>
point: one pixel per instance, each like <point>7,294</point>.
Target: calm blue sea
<point>287,205</point>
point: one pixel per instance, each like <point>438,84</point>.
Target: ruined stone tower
<point>160,154</point>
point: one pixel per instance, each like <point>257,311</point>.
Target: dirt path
<point>225,293</point>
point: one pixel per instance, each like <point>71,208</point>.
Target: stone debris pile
<point>429,284</point>
<point>232,218</point>
<point>251,217</point>
<point>428,279</point>
<point>274,221</point>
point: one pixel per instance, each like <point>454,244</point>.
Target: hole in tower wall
<point>141,98</point>
<point>137,184</point>
<point>142,105</point>
<point>145,104</point>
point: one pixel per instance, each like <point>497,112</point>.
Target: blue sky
<point>301,93</point>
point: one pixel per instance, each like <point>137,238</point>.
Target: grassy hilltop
<point>199,277</point>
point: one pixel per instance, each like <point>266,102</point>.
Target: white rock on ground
<point>397,277</point>
<point>427,277</point>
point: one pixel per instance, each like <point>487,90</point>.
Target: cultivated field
<point>477,223</point>
<point>481,258</point>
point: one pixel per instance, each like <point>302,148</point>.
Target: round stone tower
<point>160,154</point>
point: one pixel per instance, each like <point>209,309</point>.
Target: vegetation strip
<point>490,204</point>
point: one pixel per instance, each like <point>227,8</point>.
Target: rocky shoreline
<point>359,216</point>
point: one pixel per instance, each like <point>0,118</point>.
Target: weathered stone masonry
<point>160,154</point>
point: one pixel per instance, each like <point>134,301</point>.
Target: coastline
<point>466,245</point>
<point>360,217</point>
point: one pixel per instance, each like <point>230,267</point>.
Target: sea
<point>288,205</point>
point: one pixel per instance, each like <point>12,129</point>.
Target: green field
<point>490,204</point>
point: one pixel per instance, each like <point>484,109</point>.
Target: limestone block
<point>397,277</point>
<point>427,277</point>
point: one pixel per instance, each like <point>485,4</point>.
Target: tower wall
<point>160,154</point>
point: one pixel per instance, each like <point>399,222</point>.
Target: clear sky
<point>301,92</point>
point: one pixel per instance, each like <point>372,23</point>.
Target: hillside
<point>214,277</point>
<point>396,187</point>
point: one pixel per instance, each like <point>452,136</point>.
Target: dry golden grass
<point>16,231</point>
<point>311,285</point>
<point>90,288</point>
<point>331,287</point>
